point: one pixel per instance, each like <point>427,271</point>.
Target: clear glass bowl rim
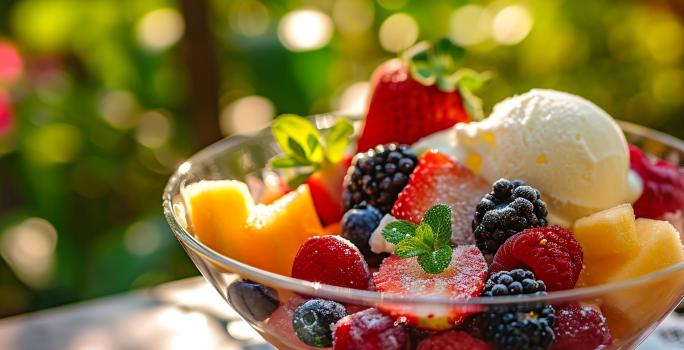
<point>340,293</point>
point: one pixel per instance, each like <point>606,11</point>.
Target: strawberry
<point>331,260</point>
<point>663,186</point>
<point>419,95</point>
<point>551,252</point>
<point>453,340</point>
<point>440,179</point>
<point>326,187</point>
<point>463,278</point>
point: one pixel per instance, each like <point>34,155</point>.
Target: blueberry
<point>313,321</point>
<point>357,226</point>
<point>252,300</point>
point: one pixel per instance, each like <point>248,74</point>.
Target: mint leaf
<point>439,219</point>
<point>295,137</point>
<point>425,235</point>
<point>396,231</point>
<point>298,179</point>
<point>411,247</point>
<point>437,260</point>
<point>338,139</point>
<point>285,162</point>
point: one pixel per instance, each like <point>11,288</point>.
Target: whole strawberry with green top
<point>424,92</point>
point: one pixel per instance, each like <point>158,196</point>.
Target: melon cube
<point>608,232</point>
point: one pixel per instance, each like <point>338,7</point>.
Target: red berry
<point>326,186</point>
<point>369,330</point>
<point>663,186</point>
<point>463,278</point>
<point>552,253</point>
<point>579,328</point>
<point>440,179</point>
<point>453,340</point>
<point>403,110</point>
<point>331,260</point>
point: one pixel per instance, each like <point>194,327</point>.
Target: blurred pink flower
<point>11,64</point>
<point>6,116</point>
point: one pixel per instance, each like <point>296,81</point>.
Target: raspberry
<point>509,208</point>
<point>663,186</point>
<point>552,253</point>
<point>331,260</point>
<point>369,330</point>
<point>453,340</point>
<point>376,177</point>
<point>580,328</point>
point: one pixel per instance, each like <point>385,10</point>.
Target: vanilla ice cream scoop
<point>571,150</point>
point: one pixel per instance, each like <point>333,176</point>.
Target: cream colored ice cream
<point>562,144</point>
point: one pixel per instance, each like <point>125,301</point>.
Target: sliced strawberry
<point>580,328</point>
<point>326,187</point>
<point>440,179</point>
<point>403,110</point>
<point>552,253</point>
<point>463,278</point>
<point>663,185</point>
<point>331,260</point>
<point>369,330</point>
<point>453,340</point>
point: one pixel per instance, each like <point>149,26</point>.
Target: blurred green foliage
<point>98,112</point>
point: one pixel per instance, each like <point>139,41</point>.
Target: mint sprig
<point>306,147</point>
<point>430,240</point>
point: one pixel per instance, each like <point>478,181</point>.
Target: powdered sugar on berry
<point>378,243</point>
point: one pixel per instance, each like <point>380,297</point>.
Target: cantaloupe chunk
<point>217,211</point>
<point>659,247</point>
<point>222,215</point>
<point>608,232</point>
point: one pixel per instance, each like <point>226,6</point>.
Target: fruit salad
<point>544,195</point>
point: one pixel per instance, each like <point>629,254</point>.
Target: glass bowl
<point>644,302</point>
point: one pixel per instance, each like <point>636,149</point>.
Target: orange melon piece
<point>659,247</point>
<point>608,232</point>
<point>217,211</point>
<point>275,232</point>
<point>223,215</point>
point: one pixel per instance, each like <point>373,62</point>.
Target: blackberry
<point>523,326</point>
<point>252,300</point>
<point>357,227</point>
<point>312,321</point>
<point>377,176</point>
<point>509,208</point>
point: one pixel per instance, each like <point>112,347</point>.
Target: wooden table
<point>186,314</point>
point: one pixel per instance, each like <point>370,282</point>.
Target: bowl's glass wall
<point>632,311</point>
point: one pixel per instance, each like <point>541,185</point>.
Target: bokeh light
<point>353,99</point>
<point>249,17</point>
<point>118,108</point>
<point>142,238</point>
<point>353,17</point>
<point>304,30</point>
<point>11,64</point>
<point>665,39</point>
<point>6,115</point>
<point>246,115</point>
<point>54,143</point>
<point>392,4</point>
<point>470,25</point>
<point>29,249</point>
<point>398,32</point>
<point>154,129</point>
<point>160,29</point>
<point>511,25</point>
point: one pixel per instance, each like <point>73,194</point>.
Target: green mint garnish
<point>306,146</point>
<point>430,240</point>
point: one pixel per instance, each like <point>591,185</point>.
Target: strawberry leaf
<point>298,138</point>
<point>298,179</point>
<point>398,230</point>
<point>286,162</point>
